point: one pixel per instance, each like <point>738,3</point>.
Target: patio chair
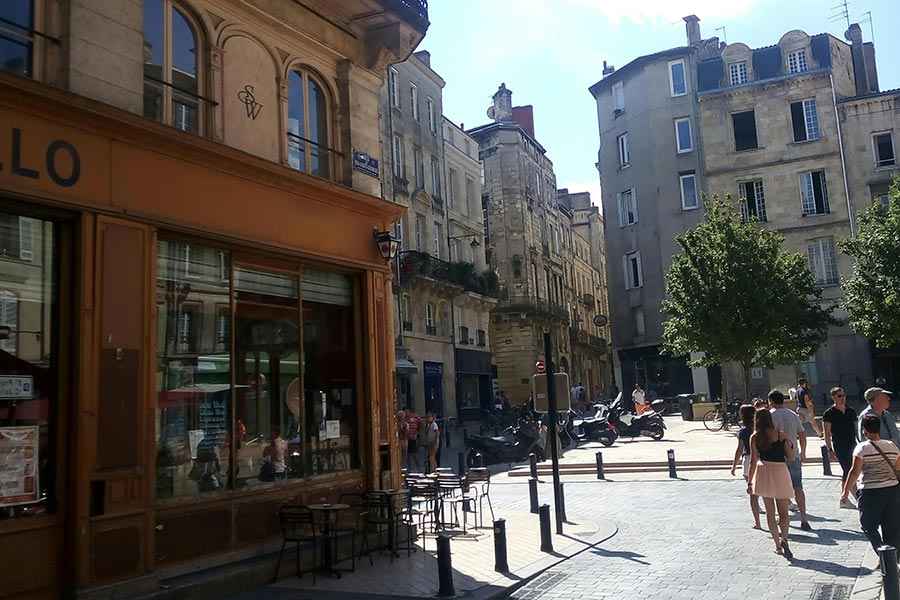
<point>354,522</point>
<point>479,484</point>
<point>299,527</point>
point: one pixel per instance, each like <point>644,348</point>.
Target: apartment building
<point>188,279</point>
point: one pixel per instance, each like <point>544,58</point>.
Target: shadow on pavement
<point>627,555</point>
<point>829,568</point>
<point>828,537</point>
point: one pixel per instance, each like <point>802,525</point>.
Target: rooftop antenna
<point>840,11</point>
<point>722,29</point>
<point>867,18</point>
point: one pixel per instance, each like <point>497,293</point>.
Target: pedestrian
<point>431,437</point>
<point>759,403</point>
<point>839,423</point>
<point>770,453</point>
<point>879,504</point>
<point>403,439</point>
<point>742,453</point>
<point>879,400</point>
<point>637,396</point>
<point>413,423</point>
<point>788,422</point>
<point>806,406</point>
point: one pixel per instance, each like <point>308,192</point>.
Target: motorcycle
<point>649,424</point>
<point>594,426</point>
<point>514,445</point>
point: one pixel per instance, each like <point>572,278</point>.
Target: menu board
<point>19,447</point>
<point>214,419</point>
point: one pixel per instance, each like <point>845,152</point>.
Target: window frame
<point>405,316</point>
<point>738,73</point>
<point>795,58</point>
<point>435,177</point>
<point>418,168</point>
<point>756,145</point>
<point>437,234</point>
<point>414,101</point>
<point>623,151</point>
<point>690,133</point>
<point>31,39</point>
<point>681,179</point>
<point>617,90</point>
<point>759,200</point>
<point>432,121</point>
<point>830,274</point>
<point>672,92</point>
<point>633,267</point>
<point>430,325</point>
<point>811,188</point>
<point>393,87</point>
<point>397,157</point>
<point>331,153</point>
<point>10,306</point>
<point>620,197</point>
<point>882,163</point>
<point>809,117</point>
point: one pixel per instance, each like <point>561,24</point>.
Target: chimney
<point>424,56</point>
<point>692,25</point>
<point>871,69</point>
<point>524,116</point>
<point>501,110</point>
<point>860,73</point>
<point>607,69</point>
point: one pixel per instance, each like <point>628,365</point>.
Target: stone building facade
<point>530,246</point>
<point>187,208</point>
<point>772,139</point>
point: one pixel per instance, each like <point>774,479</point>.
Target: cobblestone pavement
<point>693,540</point>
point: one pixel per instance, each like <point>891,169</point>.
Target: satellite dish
<point>600,320</point>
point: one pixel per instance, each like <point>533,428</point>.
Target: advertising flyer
<point>19,465</point>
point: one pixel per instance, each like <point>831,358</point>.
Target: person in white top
<point>637,396</point>
<point>879,503</point>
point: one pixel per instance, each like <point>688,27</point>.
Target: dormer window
<point>738,72</point>
<point>797,61</point>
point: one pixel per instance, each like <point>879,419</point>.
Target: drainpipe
<point>840,137</point>
<point>446,183</point>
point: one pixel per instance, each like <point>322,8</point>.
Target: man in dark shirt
<point>840,433</point>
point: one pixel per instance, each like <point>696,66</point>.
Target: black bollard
<point>532,461</point>
<point>532,493</point>
<point>600,474</point>
<point>826,461</point>
<point>888,557</point>
<point>546,538</point>
<point>500,564</point>
<point>562,504</point>
<point>671,456</point>
<point>479,459</point>
<point>466,436</point>
<point>445,569</point>
<point>461,459</point>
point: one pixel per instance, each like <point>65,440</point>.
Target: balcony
<point>415,12</point>
<point>458,274</point>
<point>537,309</point>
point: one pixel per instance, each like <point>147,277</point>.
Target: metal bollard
<point>562,504</point>
<point>671,456</point>
<point>465,436</point>
<point>600,474</point>
<point>532,493</point>
<point>888,557</point>
<point>532,461</point>
<point>479,459</point>
<point>447,435</point>
<point>500,563</point>
<point>461,466</point>
<point>546,538</point>
<point>445,568</point>
<point>826,461</point>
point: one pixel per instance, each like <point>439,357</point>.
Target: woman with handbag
<point>877,460</point>
<point>769,478</point>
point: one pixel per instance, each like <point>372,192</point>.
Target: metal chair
<point>354,522</point>
<point>297,526</point>
<point>479,484</point>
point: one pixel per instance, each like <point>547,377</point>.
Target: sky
<point>548,52</point>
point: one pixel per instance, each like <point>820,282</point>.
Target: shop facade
<point>175,313</point>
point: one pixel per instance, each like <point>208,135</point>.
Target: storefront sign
<point>19,448</point>
<point>61,164</point>
<point>364,163</point>
<point>17,387</point>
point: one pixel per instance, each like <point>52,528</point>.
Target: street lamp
<point>388,245</point>
<point>474,243</point>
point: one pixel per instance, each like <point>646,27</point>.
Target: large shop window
<point>29,372</point>
<point>257,373</point>
<point>16,43</point>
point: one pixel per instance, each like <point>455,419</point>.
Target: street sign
<point>539,392</point>
<point>539,367</point>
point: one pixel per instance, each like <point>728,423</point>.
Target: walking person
<point>742,453</point>
<point>879,400</point>
<point>431,437</point>
<point>770,453</point>
<point>413,423</point>
<point>788,422</point>
<point>877,460</point>
<point>806,406</point>
<point>839,423</point>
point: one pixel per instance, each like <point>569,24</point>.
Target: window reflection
<point>307,125</point>
<point>15,36</point>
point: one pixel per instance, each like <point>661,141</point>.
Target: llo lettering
<point>51,162</point>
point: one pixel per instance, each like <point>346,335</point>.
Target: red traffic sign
<point>539,367</point>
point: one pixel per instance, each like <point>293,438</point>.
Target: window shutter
<point>626,272</point>
<point>621,209</point>
<point>639,271</point>
<point>798,121</point>
<point>819,191</point>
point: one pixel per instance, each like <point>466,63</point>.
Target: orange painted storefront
<point>115,184</point>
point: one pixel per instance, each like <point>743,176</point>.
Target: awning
<point>404,365</point>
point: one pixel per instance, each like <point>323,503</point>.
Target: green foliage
<point>737,296</point>
<point>872,293</point>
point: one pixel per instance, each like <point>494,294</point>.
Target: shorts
<point>411,446</point>
<point>796,471</point>
<point>807,415</point>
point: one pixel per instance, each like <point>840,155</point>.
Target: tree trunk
<point>724,399</point>
<point>747,366</point>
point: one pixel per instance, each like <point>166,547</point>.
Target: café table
<point>328,513</point>
<point>386,500</point>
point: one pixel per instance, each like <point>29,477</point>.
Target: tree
<point>735,295</point>
<point>872,293</point>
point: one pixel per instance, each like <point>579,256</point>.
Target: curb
<point>868,585</point>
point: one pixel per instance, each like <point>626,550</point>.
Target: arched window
<point>172,66</point>
<point>308,142</point>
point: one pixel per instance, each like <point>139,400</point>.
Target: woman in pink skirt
<point>770,451</point>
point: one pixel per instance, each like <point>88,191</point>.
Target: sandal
<point>787,551</point>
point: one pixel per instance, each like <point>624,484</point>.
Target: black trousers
<point>845,458</point>
<point>880,508</point>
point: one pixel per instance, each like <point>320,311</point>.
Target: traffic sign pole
<point>553,434</point>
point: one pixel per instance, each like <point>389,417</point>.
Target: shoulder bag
<point>893,466</point>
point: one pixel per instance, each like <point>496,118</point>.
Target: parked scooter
<point>649,424</point>
<point>514,445</point>
<point>594,426</point>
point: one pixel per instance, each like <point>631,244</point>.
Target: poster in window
<point>19,447</point>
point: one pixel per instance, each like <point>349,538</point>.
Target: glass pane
<point>15,56</point>
<point>184,54</point>
<point>296,124</point>
<point>329,373</point>
<point>193,372</point>
<point>318,130</point>
<point>153,99</point>
<point>28,371</point>
<point>153,40</point>
<point>18,11</point>
<point>185,112</point>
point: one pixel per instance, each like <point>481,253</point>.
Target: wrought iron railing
<point>415,11</point>
<point>419,264</point>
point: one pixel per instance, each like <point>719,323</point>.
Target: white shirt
<point>876,472</point>
<point>637,396</point>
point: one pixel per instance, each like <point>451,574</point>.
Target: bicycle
<point>714,420</point>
